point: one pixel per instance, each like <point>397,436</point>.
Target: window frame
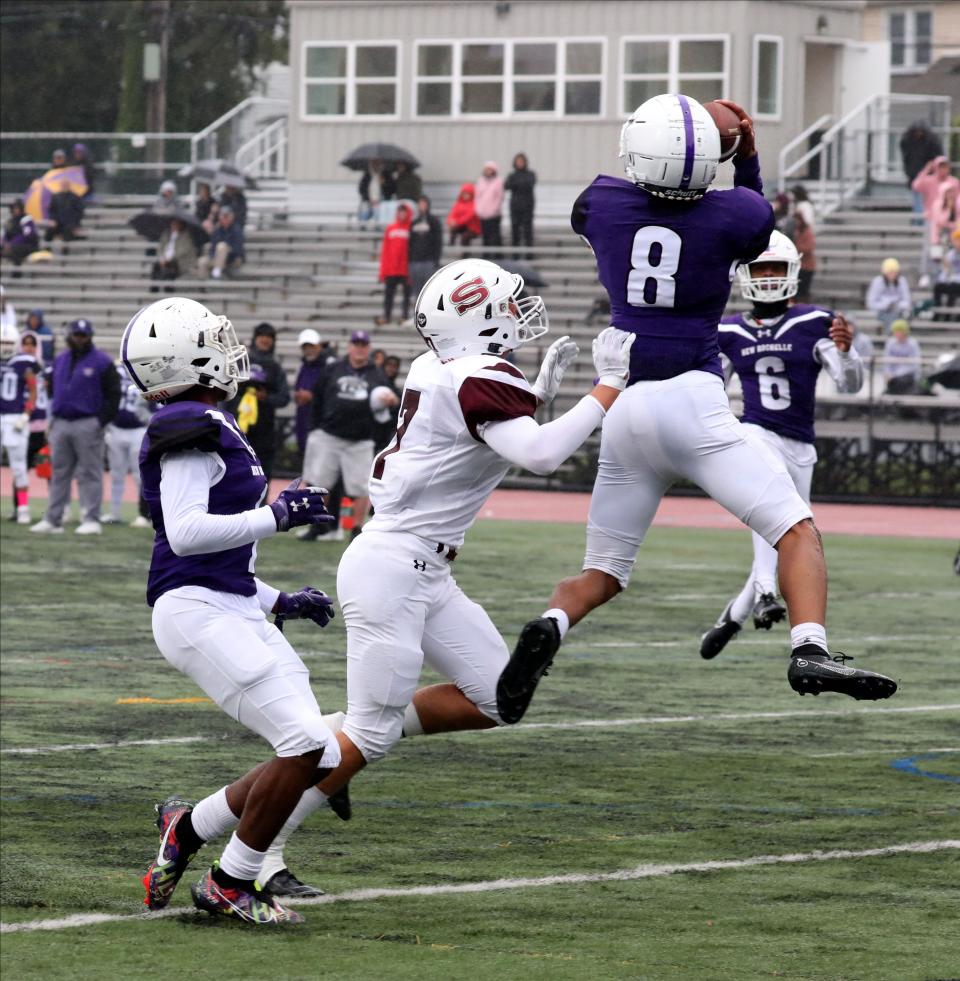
<point>350,80</point>
<point>777,115</point>
<point>910,64</point>
<point>509,77</point>
<point>673,64</point>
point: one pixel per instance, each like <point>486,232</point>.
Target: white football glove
<point>21,422</point>
<point>558,358</point>
<point>611,356</point>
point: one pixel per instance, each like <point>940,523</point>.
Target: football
<point>728,123</point>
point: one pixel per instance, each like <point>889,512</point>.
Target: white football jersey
<point>434,477</point>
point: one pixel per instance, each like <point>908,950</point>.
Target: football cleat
<point>340,803</point>
<point>812,670</point>
<point>719,635</point>
<point>172,860</point>
<point>539,641</point>
<point>255,907</point>
<point>767,611</point>
<point>285,883</point>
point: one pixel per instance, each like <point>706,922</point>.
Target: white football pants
<point>661,431</point>
<point>799,459</point>
<point>249,669</point>
<point>15,443</point>
<point>123,455</point>
<point>401,607</point>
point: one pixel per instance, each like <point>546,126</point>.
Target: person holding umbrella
<point>226,252</point>
<point>176,253</point>
<point>376,186</point>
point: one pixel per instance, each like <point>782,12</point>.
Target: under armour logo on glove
<point>419,565</point>
<point>305,604</point>
<point>292,509</point>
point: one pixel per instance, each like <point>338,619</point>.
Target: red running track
<point>676,512</point>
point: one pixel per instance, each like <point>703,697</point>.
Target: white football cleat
<point>88,528</point>
<point>44,527</point>
<point>23,515</point>
<point>140,522</point>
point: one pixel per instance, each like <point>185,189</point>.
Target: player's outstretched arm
<point>559,357</point>
<point>840,358</point>
<point>541,449</point>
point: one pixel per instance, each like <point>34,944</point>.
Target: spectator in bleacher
<point>234,199</point>
<point>426,246</point>
<point>38,325</point>
<point>80,157</point>
<point>345,398</point>
<point>862,344</point>
<point>944,218</point>
<point>462,220</point>
<point>58,159</point>
<point>888,295</point>
<point>225,252</point>
<point>806,243</point>
<point>166,199</point>
<point>123,436</point>
<point>803,207</point>
<point>314,355</point>
<point>783,214</point>
<point>931,184</point>
<point>205,208</point>
<point>176,254</point>
<point>66,208</point>
<point>408,185</point>
<point>8,312</point>
<point>901,360</point>
<point>85,397</point>
<point>489,203</point>
<point>918,146</point>
<point>520,184</point>
<point>272,394</point>
<point>946,291</point>
<point>376,186</point>
<point>385,419</point>
<point>20,236</point>
<point>394,264</point>
<point>377,357</point>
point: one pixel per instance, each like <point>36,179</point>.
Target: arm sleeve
<point>746,173</point>
<point>266,595</point>
<point>185,481</point>
<point>110,386</point>
<point>541,449</point>
<point>757,219</point>
<point>845,368</point>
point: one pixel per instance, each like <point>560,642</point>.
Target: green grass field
<point>758,772</point>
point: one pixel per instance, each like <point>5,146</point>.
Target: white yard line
<point>886,752</point>
<point>497,885</point>
<point>648,720</point>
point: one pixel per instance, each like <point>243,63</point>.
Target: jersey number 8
<point>654,262</point>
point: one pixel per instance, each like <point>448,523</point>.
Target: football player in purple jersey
<point>666,252</point>
<point>18,395</point>
<point>778,350</point>
<point>205,489</point>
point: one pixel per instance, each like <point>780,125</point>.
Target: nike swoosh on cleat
<point>163,844</point>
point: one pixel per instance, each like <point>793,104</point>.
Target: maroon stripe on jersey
<point>504,366</point>
<point>485,400</point>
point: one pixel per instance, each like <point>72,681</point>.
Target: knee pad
<point>307,735</point>
<point>610,554</point>
<point>375,741</point>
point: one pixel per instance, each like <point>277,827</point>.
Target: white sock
<point>563,621</point>
<point>240,860</point>
<point>412,726</point>
<point>335,721</point>
<point>809,633</point>
<point>212,817</point>
<point>273,860</point>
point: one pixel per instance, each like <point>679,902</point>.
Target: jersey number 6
<point>774,387</point>
<point>653,261</point>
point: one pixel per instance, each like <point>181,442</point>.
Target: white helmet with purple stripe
<point>671,147</point>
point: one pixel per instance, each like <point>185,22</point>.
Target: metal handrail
<point>788,148</point>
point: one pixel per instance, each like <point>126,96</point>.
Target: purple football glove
<point>297,506</point>
<point>305,604</point>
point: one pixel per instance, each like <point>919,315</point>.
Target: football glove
<point>559,356</point>
<point>305,604</point>
<point>297,506</point>
<point>21,422</point>
<point>611,356</point>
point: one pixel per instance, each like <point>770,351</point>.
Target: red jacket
<point>464,211</point>
<point>395,250</point>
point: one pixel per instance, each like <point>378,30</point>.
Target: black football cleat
<point>812,670</point>
<point>767,611</point>
<point>719,635</point>
<point>285,883</point>
<point>340,803</point>
<point>539,641</point>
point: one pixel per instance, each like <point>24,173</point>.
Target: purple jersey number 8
<point>654,262</point>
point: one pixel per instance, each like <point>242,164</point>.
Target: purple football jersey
<point>667,266</point>
<point>13,382</point>
<point>130,413</point>
<point>778,367</point>
<point>196,426</point>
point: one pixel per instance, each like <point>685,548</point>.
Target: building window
<point>509,78</point>
<point>350,80</point>
<point>910,33</point>
<point>693,65</point>
<point>767,76</point>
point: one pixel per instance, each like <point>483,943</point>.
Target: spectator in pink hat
<point>933,183</point>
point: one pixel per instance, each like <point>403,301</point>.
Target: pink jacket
<point>489,193</point>
<point>932,190</point>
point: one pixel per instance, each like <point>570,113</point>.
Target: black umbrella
<point>387,152</point>
<point>217,173</point>
<point>530,275</point>
<point>948,372</point>
<point>150,224</point>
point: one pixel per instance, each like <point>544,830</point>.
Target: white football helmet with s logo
<point>471,306</point>
<point>671,147</point>
<point>771,289</point>
<point>176,343</point>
